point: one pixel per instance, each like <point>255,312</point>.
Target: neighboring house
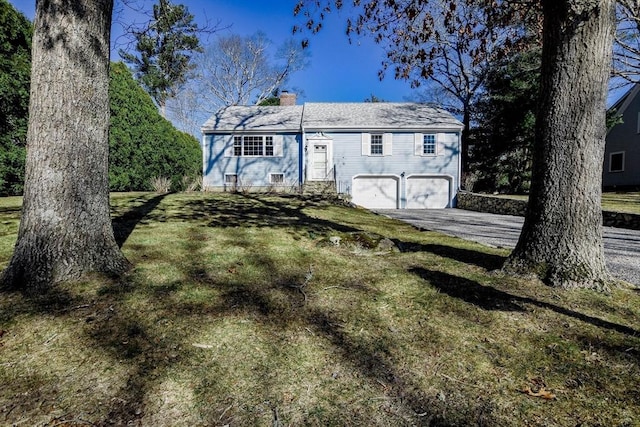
<point>622,150</point>
<point>385,155</point>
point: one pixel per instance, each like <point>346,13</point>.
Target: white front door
<point>320,160</point>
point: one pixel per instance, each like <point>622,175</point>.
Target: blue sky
<point>338,71</point>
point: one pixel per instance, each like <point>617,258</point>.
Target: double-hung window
<point>426,144</point>
<point>429,144</point>
<point>252,146</point>
<point>255,146</point>
<point>237,146</point>
<point>376,144</point>
<point>268,146</point>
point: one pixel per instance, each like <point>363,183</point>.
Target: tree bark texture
<point>65,229</point>
<point>561,241</point>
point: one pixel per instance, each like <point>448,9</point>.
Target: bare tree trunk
<point>561,241</point>
<point>66,230</point>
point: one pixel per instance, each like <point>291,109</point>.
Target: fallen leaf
<point>540,393</point>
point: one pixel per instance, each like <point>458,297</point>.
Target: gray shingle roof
<point>327,116</point>
<point>255,118</point>
<point>376,115</point>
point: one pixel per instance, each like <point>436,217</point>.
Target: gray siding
<point>624,138</point>
<point>252,171</point>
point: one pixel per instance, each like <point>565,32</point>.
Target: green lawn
<point>621,202</point>
<point>241,310</point>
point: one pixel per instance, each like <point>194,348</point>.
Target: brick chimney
<point>287,98</point>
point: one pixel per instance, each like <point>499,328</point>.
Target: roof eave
<point>208,131</point>
<point>447,128</point>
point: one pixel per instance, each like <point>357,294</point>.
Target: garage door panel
<point>379,192</point>
<point>428,192</point>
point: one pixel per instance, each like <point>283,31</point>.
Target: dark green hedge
<point>142,143</point>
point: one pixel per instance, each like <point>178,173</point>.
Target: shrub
<point>142,144</point>
<point>161,184</point>
<point>190,184</point>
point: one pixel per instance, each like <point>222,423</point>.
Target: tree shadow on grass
<point>126,222</point>
<point>282,304</point>
<point>247,210</point>
<point>113,328</point>
<point>117,328</point>
<point>148,352</point>
<point>481,259</point>
<point>489,298</point>
<point>52,300</point>
<point>371,357</point>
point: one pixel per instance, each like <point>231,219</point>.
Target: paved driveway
<point>621,246</point>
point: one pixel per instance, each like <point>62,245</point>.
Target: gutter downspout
<point>302,156</point>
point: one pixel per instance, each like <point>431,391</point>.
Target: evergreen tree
<point>15,65</point>
<point>501,145</point>
<point>142,144</point>
<point>165,49</point>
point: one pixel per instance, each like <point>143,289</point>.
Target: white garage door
<point>375,192</point>
<point>428,192</point>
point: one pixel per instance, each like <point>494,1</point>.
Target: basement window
<point>276,178</point>
<point>231,181</point>
<point>616,162</point>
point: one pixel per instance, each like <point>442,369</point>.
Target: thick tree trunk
<point>66,230</point>
<point>561,241</point>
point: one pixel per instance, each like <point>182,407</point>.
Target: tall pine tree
<point>502,141</point>
<point>164,51</point>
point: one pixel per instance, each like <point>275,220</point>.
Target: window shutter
<point>366,144</point>
<point>418,144</point>
<point>228,147</point>
<point>387,140</point>
<point>441,138</point>
<point>278,146</point>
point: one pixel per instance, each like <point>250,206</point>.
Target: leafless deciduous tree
<point>626,52</point>
<point>235,70</point>
<point>442,45</point>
